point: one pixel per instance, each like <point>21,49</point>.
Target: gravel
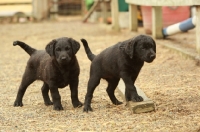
<point>171,81</point>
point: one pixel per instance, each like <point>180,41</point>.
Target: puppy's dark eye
<point>58,49</point>
<point>144,47</point>
<point>67,48</point>
<point>147,46</point>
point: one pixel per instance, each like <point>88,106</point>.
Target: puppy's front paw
<point>118,102</point>
<point>77,104</point>
<point>87,108</point>
<point>57,107</point>
<point>137,98</point>
<point>48,103</point>
<point>18,103</point>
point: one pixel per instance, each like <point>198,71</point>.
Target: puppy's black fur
<point>122,60</point>
<point>57,67</point>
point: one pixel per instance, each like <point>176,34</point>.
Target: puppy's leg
<point>45,91</point>
<point>74,93</point>
<point>130,90</point>
<point>56,98</point>
<point>132,95</point>
<point>112,84</point>
<point>27,79</point>
<point>92,84</point>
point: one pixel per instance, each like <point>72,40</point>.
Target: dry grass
<point>171,81</point>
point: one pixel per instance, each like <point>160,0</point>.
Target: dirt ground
<point>171,81</point>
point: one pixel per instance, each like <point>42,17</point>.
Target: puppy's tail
<point>87,50</point>
<point>24,46</point>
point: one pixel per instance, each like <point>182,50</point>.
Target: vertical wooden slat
<point>133,23</point>
<point>54,9</point>
<point>45,9</point>
<point>34,4</point>
<point>40,9</point>
<point>115,15</point>
<point>83,8</point>
<point>157,22</point>
<point>198,29</point>
<point>104,11</point>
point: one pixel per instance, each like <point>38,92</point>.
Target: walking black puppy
<point>122,60</point>
<point>56,67</point>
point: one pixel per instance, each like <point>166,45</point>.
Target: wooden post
<point>146,105</point>
<point>115,15</point>
<point>104,11</point>
<point>45,9</point>
<point>83,7</point>
<point>54,10</point>
<point>133,23</point>
<point>157,22</point>
<point>35,11</point>
<point>198,29</point>
<point>40,9</point>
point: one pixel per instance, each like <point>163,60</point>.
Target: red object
<point>170,14</point>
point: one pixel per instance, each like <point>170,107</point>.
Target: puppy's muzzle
<point>64,60</point>
<point>152,57</point>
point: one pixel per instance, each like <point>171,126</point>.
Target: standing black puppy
<point>56,67</point>
<point>122,60</point>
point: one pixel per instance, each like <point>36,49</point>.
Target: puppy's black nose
<point>63,58</point>
<point>152,56</point>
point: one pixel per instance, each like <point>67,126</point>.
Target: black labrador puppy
<point>122,60</point>
<point>57,67</point>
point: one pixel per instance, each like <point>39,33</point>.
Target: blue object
<point>180,27</point>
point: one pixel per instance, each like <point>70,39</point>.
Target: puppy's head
<point>143,47</point>
<point>62,49</point>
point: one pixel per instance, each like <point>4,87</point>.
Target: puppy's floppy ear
<point>128,47</point>
<point>154,47</point>
<point>75,45</point>
<point>50,47</point>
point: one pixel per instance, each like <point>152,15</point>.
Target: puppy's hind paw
<point>87,108</point>
<point>17,103</point>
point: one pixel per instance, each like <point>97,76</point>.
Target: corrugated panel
<point>69,7</point>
